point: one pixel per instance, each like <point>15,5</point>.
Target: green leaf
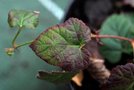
<point>56,76</point>
<point>115,54</point>
<point>22,18</point>
<point>119,25</point>
<point>121,78</point>
<point>65,45</point>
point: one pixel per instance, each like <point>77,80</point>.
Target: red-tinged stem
<point>112,36</point>
<point>115,37</point>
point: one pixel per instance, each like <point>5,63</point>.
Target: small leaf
<point>56,76</point>
<point>65,45</point>
<point>122,78</point>
<point>119,25</point>
<point>22,18</point>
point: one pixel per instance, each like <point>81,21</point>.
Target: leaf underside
<point>122,78</point>
<point>56,76</point>
<point>64,45</point>
<point>23,18</point>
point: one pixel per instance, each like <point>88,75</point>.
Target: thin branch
<point>112,36</point>
<point>97,67</point>
<point>15,37</point>
<point>115,37</point>
<point>23,44</point>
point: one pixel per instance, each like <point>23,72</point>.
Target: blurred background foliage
<point>18,72</point>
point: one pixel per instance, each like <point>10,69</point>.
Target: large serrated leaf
<point>56,76</point>
<point>64,45</point>
<point>23,18</point>
<point>119,25</point>
<point>122,78</point>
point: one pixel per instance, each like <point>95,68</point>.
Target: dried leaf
<point>97,67</point>
<point>78,78</point>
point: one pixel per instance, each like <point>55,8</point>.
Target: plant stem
<point>23,44</point>
<point>14,45</point>
<point>116,37</point>
<point>112,36</point>
<point>15,37</point>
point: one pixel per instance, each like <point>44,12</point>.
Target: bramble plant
<point>72,47</point>
<point>21,19</point>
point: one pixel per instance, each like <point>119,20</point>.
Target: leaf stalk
<point>116,37</point>
<point>15,37</point>
<point>23,44</point>
<point>112,36</point>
